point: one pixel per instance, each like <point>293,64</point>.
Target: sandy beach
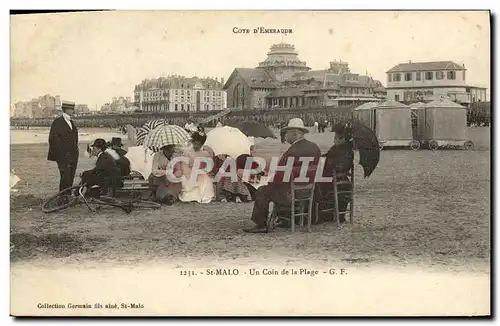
<point>420,239</point>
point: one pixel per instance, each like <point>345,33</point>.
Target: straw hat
<point>66,105</point>
<point>295,123</point>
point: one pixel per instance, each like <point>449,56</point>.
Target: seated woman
<point>163,190</point>
<point>340,159</point>
<point>105,174</point>
<point>229,189</point>
<point>201,189</point>
<point>115,149</point>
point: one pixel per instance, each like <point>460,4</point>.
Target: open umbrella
<point>228,140</point>
<point>365,141</point>
<point>142,132</point>
<point>164,135</point>
<point>255,129</point>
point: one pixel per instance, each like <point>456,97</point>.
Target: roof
<point>254,78</point>
<point>286,92</point>
<point>321,75</point>
<point>426,66</point>
<point>418,105</point>
<point>366,106</point>
<point>444,103</point>
<point>391,104</point>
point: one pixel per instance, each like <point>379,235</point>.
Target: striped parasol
<point>142,132</point>
<point>164,135</point>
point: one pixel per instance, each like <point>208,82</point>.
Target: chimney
<point>409,61</point>
<point>222,81</point>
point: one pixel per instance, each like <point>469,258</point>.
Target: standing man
<point>63,145</point>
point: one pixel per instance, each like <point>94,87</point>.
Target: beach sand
<point>420,244</point>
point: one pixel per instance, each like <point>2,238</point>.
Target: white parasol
<point>228,140</point>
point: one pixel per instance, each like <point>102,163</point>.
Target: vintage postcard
<point>250,163</point>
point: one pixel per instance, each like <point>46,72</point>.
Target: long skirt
<point>163,190</point>
<point>234,189</point>
<point>202,191</point>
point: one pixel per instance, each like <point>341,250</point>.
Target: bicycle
<point>71,196</point>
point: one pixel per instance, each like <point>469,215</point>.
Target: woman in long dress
<point>201,189</point>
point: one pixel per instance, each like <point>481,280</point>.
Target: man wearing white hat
<point>278,190</point>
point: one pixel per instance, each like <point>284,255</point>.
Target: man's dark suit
<point>278,190</point>
<point>106,173</point>
<point>63,149</point>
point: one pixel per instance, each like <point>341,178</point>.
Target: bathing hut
<point>393,124</point>
<point>446,125</point>
<point>366,114</point>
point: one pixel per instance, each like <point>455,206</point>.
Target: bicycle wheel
<point>141,203</point>
<point>127,204</point>
<point>61,200</point>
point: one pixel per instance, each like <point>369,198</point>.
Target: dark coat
<point>106,173</point>
<point>302,148</point>
<point>339,158</point>
<point>123,163</point>
<point>63,141</point>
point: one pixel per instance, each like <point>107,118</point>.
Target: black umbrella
<point>364,140</point>
<point>255,129</point>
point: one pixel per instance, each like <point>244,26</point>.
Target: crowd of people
<point>271,119</point>
<point>112,165</point>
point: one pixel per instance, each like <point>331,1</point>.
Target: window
<point>176,107</point>
<point>418,76</point>
<point>408,76</point>
<point>176,92</point>
<point>182,92</point>
<point>218,93</point>
<point>397,77</point>
<point>439,75</point>
<point>182,107</point>
<point>188,107</point>
<point>451,75</point>
<point>390,78</point>
<point>429,75</point>
<point>188,93</point>
<point>396,98</point>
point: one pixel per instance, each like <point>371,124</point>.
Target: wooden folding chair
<point>301,204</point>
<point>325,198</point>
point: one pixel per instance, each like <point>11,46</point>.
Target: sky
<point>91,57</point>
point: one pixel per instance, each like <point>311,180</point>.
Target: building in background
<point>247,88</point>
<point>426,81</point>
<point>178,93</point>
<point>283,62</point>
<point>118,105</point>
<point>283,80</point>
<point>82,109</point>
<point>44,107</point>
